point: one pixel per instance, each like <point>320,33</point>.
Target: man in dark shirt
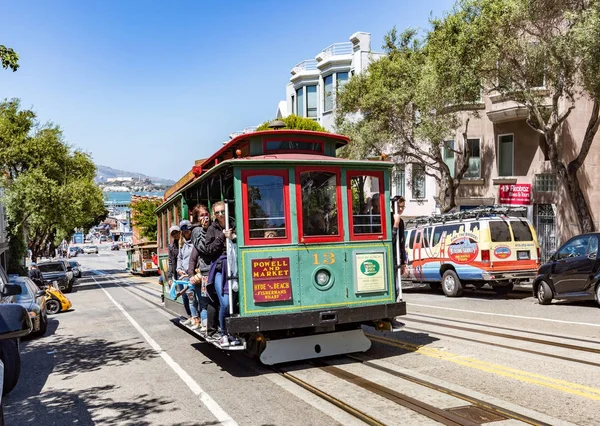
<point>398,233</point>
<point>35,275</point>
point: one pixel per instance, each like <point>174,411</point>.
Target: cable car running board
<point>314,346</point>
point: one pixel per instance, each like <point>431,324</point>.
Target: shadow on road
<point>66,356</point>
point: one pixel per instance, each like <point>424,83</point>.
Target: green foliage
<point>542,54</point>
<point>9,58</point>
<point>396,107</point>
<point>296,122</point>
<point>49,188</point>
<point>143,217</point>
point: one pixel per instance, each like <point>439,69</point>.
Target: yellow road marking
<point>500,370</point>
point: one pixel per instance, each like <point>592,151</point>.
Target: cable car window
<point>499,231</point>
<point>319,208</point>
<point>521,231</point>
<point>266,214</point>
<point>366,205</point>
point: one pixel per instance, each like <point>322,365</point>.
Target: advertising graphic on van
<point>502,252</point>
<point>472,248</point>
<point>464,249</point>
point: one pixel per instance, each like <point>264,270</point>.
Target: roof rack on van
<point>476,213</point>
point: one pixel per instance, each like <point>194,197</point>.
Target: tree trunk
<point>567,177</point>
<point>446,193</point>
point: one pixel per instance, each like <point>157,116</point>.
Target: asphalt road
<point>117,358</point>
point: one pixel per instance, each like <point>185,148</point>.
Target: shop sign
<point>516,194</point>
<point>271,280</point>
<point>369,272</point>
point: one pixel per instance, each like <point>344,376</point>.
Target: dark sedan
<point>572,273</point>
<point>33,299</point>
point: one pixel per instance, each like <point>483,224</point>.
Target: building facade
<point>510,166</point>
<point>311,92</point>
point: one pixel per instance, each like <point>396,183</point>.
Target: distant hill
<point>104,172</point>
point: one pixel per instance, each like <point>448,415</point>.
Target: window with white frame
<point>331,85</point>
<point>328,93</point>
<point>474,170</point>
<point>341,79</point>
<point>311,101</point>
<point>505,155</point>
<point>418,181</point>
<point>293,104</point>
<point>300,102</point>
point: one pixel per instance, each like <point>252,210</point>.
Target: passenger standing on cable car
<point>175,233</point>
<point>183,261</point>
<point>200,267</point>
<point>216,248</point>
<point>398,232</point>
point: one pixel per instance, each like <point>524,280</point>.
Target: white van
<point>472,248</point>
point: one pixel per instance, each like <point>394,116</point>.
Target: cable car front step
<point>314,346</point>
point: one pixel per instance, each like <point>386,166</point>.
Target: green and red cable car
<point>314,253</point>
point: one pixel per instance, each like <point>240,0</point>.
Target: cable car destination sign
<point>271,280</point>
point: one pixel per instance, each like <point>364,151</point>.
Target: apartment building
<point>311,93</point>
<point>509,166</point>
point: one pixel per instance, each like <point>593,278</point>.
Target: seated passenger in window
<point>270,234</point>
<point>315,225</point>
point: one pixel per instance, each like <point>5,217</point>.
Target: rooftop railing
<point>335,49</point>
<point>306,65</point>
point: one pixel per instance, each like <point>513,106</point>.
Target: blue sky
<point>150,86</point>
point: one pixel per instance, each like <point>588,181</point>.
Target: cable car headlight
<point>322,277</point>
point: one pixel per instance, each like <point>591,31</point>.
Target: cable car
<point>313,259</point>
<point>139,258</point>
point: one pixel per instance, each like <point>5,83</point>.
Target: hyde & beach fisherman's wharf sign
<point>271,280</point>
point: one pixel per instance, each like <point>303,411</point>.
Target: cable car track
<point>443,416</point>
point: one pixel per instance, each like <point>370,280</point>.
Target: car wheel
<point>52,306</point>
<point>9,352</point>
<point>544,293</point>
<point>598,293</point>
<point>43,326</point>
<point>451,284</point>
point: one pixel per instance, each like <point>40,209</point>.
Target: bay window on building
<point>308,108</point>
<point>332,83</point>
<point>300,101</point>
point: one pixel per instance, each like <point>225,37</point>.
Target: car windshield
<point>51,267</point>
<point>74,264</point>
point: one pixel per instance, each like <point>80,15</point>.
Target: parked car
<point>73,251</point>
<point>115,246</point>
<point>33,299</point>
<point>76,267</point>
<point>14,324</point>
<point>572,273</point>
<point>59,271</point>
<point>79,250</point>
<point>90,249</point>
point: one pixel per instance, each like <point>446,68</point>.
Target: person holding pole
<point>399,244</point>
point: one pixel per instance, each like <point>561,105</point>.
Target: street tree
<point>144,218</point>
<point>542,54</point>
<point>9,58</point>
<point>296,122</point>
<point>395,107</point>
<point>49,187</point>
